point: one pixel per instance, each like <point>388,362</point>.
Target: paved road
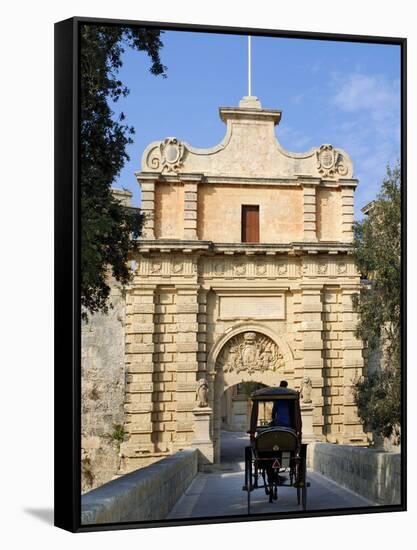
<point>218,491</point>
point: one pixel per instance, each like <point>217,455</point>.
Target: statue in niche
<point>201,393</point>
<point>306,388</point>
<point>250,352</point>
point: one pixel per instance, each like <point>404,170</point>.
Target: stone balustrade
<point>146,494</point>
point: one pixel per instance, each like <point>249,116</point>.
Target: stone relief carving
<point>167,156</point>
<point>330,162</point>
<point>236,268</point>
<point>322,268</point>
<point>251,352</point>
<point>156,266</point>
<point>240,269</point>
<point>177,267</point>
<point>261,268</point>
<point>201,393</point>
<point>219,268</point>
<point>306,388</point>
<point>342,268</point>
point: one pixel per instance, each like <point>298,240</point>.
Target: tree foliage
<point>377,251</point>
<point>108,230</point>
<point>378,397</point>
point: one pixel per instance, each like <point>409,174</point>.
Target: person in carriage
<point>281,411</point>
<point>276,430</point>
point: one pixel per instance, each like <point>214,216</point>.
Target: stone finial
<point>306,388</point>
<point>201,393</point>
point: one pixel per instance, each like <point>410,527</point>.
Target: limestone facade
<point>204,304</point>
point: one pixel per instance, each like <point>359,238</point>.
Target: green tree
<point>377,251</point>
<point>108,230</point>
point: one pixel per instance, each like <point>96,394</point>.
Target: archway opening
<point>235,417</point>
<point>246,356</point>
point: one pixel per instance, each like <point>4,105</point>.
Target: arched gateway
<point>244,272</point>
<point>247,353</point>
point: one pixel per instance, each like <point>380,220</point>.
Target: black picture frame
<point>67,276</point>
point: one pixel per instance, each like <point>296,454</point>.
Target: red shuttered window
<point>250,223</point>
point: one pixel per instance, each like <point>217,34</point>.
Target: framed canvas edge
<point>67,311</point>
<point>67,376</point>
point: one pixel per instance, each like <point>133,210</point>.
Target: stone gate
<point>244,273</point>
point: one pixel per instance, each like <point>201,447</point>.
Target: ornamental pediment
<point>249,149</point>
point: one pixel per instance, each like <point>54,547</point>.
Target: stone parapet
<point>146,494</point>
<point>376,475</point>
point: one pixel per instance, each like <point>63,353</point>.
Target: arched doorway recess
<point>247,353</point>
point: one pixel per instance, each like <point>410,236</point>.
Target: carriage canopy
<point>265,405</point>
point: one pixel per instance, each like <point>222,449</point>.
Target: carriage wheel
<point>304,496</point>
<point>304,483</point>
<point>248,474</point>
<point>298,477</point>
<point>272,477</point>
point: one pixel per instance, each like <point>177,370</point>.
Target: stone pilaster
<point>309,213</point>
<point>352,368</point>
<point>297,341</point>
<point>140,348</point>
<point>332,365</point>
<point>147,206</point>
<point>202,331</point>
<point>190,205</point>
<point>347,214</point>
<point>164,376</point>
<point>187,363</point>
<point>311,329</point>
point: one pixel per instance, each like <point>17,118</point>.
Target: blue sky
<point>346,94</point>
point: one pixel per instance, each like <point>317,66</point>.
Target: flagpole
<point>249,67</point>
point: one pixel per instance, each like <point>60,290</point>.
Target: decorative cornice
<point>294,248</point>
<point>299,180</point>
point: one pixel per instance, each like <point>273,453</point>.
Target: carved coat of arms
<point>330,162</point>
<point>250,352</point>
<point>167,156</point>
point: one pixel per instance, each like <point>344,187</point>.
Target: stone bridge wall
<point>146,494</point>
<point>102,392</point>
<point>376,475</point>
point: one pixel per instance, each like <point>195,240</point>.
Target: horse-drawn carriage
<point>276,453</point>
